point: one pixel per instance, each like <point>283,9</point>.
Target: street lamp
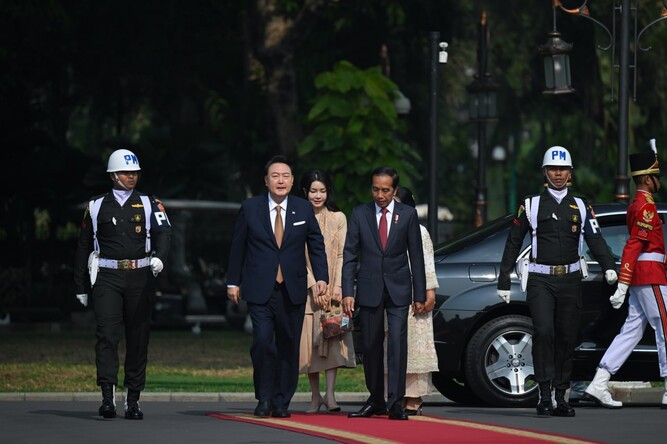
<point>622,8</point>
<point>438,55</point>
<point>556,61</point>
<point>483,104</point>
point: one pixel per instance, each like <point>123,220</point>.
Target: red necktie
<point>383,228</point>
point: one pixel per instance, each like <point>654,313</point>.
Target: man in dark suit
<point>268,258</point>
<point>383,252</point>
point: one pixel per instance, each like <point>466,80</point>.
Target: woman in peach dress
<point>318,354</point>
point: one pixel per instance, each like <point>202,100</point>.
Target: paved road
<point>65,421</point>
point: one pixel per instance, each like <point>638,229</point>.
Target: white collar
<point>273,204</point>
<point>121,196</point>
<point>390,207</point>
<point>558,194</point>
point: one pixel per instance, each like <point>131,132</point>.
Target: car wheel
<point>454,389</point>
<point>499,360</point>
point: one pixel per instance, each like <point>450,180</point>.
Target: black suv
<point>484,345</point>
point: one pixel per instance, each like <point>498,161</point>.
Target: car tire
<point>455,389</point>
<point>499,362</point>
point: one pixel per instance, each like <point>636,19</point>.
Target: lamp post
<point>438,55</point>
<point>482,109</point>
<point>622,8</point>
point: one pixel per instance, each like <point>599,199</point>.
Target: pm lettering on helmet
<point>561,155</point>
<point>131,159</point>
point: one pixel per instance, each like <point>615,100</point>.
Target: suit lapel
<point>371,217</point>
<point>290,216</point>
<point>263,215</point>
<point>394,222</point>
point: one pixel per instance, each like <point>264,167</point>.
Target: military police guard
<point>643,274</point>
<point>123,242</point>
<point>558,222</point>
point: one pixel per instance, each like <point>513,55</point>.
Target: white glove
<point>611,277</point>
<point>83,298</point>
<point>617,298</point>
<point>504,295</point>
<point>156,265</point>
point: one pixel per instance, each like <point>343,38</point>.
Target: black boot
<point>562,407</point>
<point>545,406</point>
<point>132,410</point>
<point>108,407</point>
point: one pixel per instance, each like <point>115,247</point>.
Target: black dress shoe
<point>563,409</point>
<point>397,412</point>
<point>280,413</point>
<point>263,409</point>
<point>133,411</point>
<point>367,411</point>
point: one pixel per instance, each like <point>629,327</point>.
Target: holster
<point>523,272</point>
<point>584,267</point>
<point>93,266</point>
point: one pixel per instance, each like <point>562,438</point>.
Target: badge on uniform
<point>159,205</point>
<point>648,216</point>
<point>137,229</point>
<point>575,218</point>
<point>574,228</point>
<point>136,218</point>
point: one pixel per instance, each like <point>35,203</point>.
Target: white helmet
<point>123,160</point>
<point>557,156</point>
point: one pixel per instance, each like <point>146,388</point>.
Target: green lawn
<point>214,361</point>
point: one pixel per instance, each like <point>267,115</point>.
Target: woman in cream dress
<point>422,358</point>
<point>318,354</point>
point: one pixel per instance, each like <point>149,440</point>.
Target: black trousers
<point>276,336</point>
<point>371,321</point>
<point>555,307</point>
<point>122,301</point>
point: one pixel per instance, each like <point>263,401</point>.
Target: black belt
<point>279,285</point>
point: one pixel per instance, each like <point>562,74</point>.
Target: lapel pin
<point>396,218</point>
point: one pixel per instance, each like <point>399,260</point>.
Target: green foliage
<point>354,128</point>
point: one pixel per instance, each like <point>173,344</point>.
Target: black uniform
<point>122,296</point>
<point>554,300</point>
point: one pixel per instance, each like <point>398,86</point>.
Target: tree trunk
<point>283,98</point>
<point>276,34</point>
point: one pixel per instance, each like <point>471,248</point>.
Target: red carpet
<point>419,429</point>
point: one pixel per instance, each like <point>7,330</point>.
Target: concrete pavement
<point>59,422</point>
<point>627,392</point>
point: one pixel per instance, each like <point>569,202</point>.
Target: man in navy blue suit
<point>383,253</point>
<point>268,259</point>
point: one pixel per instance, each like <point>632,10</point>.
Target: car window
<point>474,236</point>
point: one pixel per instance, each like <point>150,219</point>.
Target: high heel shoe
<point>330,405</point>
<point>412,412</point>
<point>315,405</point>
